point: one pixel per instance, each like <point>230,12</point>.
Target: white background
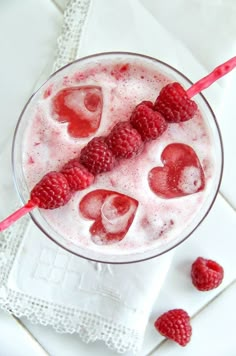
<point>28,33</point>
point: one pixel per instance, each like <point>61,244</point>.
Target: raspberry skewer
<point>173,104</point>
<point>53,190</point>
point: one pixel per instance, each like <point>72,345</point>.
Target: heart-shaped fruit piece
<point>112,212</point>
<point>181,174</point>
<point>81,107</point>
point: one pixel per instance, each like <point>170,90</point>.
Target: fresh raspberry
<point>175,325</point>
<point>124,141</point>
<point>206,274</point>
<point>174,104</point>
<point>77,175</point>
<point>149,123</point>
<point>96,156</point>
<point>51,192</point>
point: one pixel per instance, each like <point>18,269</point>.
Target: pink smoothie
<point>96,97</point>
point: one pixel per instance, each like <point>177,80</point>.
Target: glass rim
<point>141,56</point>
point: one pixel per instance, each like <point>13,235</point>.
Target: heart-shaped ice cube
<point>112,212</point>
<point>181,174</point>
<point>81,107</point>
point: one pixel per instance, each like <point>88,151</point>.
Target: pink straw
<point>216,74</point>
<point>17,215</point>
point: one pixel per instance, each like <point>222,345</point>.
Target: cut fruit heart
<point>112,212</point>
<point>181,175</point>
<point>81,107</point>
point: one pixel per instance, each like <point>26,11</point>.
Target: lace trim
<point>68,42</point>
<point>63,319</point>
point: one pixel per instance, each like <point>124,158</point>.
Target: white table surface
<point>28,32</point>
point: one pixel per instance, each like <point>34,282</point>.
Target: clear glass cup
<point>103,256</point>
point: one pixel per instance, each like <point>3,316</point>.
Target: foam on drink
<point>48,145</point>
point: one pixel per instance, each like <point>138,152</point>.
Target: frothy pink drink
<point>149,202</point>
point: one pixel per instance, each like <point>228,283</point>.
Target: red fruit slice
<point>81,107</point>
<point>112,212</point>
<point>181,175</point>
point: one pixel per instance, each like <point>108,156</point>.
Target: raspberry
<point>174,104</point>
<point>206,274</point>
<point>149,123</point>
<point>175,325</point>
<point>96,156</point>
<point>51,192</point>
<point>78,176</point>
<point>124,141</point>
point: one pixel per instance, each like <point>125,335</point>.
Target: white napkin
<point>51,286</point>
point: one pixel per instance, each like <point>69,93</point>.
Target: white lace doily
<point>63,318</point>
